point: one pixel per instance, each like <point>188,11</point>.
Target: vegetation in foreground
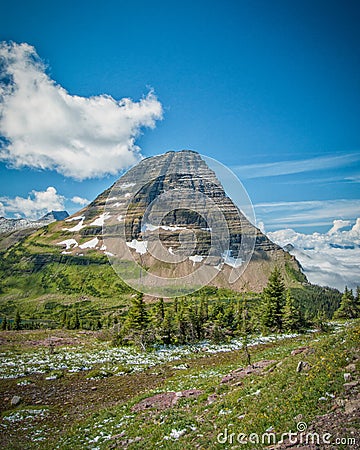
<point>311,378</point>
<point>75,387</point>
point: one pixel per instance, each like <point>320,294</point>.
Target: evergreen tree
<point>161,309</point>
<point>204,310</point>
<point>64,320</point>
<point>238,315</point>
<point>176,303</point>
<point>167,329</point>
<point>273,301</point>
<point>109,321</point>
<point>181,323</point>
<point>159,313</point>
<point>229,319</point>
<point>17,321</point>
<point>136,328</point>
<point>76,322</point>
<point>68,321</point>
<point>321,321</point>
<point>348,308</point>
<point>194,324</point>
<point>138,317</point>
<point>4,324</point>
<point>245,333</point>
<point>242,319</point>
<point>292,320</point>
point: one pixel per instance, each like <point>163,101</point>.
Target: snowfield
<point>138,246</point>
<point>90,244</point>
<point>99,222</point>
<point>69,243</point>
<point>78,226</point>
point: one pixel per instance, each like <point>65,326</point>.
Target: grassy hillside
<point>42,284</point>
<point>82,393</point>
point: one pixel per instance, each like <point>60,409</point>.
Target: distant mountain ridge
<point>10,225</point>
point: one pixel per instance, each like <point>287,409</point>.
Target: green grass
<point>261,402</point>
<point>96,406</point>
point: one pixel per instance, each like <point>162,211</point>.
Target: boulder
<point>16,400</point>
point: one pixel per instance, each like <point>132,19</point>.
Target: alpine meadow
<point>180,225</point>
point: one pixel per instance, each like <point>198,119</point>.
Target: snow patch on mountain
<point>196,259</point>
<point>99,222</point>
<point>69,243</point>
<point>139,246</point>
<point>127,185</point>
<point>72,219</point>
<point>90,244</point>
<point>76,227</point>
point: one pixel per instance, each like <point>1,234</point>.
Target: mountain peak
<point>54,215</point>
<point>170,218</point>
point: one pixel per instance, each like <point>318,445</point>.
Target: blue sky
<point>270,89</point>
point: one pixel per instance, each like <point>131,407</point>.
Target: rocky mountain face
<point>170,216</point>
<point>10,225</point>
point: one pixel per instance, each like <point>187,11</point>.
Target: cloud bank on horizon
<point>45,127</point>
<point>37,204</point>
<point>328,259</point>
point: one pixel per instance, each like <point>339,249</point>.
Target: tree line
<point>187,320</point>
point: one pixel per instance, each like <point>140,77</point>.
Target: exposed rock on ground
<point>339,427</point>
<point>242,372</point>
<point>165,400</point>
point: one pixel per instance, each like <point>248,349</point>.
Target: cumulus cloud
<point>328,259</point>
<point>43,126</point>
<point>356,227</point>
<point>339,224</point>
<point>35,205</point>
<point>80,200</point>
<point>260,224</point>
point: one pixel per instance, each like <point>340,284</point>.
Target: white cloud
<point>353,179</point>
<point>339,224</point>
<point>35,205</point>
<point>305,213</point>
<point>80,200</point>
<point>260,224</point>
<point>45,127</point>
<point>279,168</point>
<point>356,227</point>
<point>328,259</point>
